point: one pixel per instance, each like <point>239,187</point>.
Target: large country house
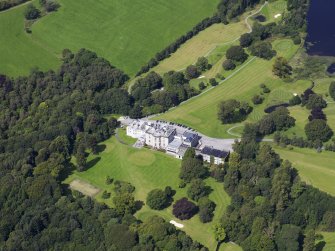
<point>173,139</point>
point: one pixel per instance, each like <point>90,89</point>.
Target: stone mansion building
<point>175,140</point>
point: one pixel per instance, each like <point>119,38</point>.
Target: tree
<point>157,199</point>
<point>246,40</point>
<point>192,168</point>
<point>296,100</point>
<point>309,241</point>
<point>31,12</point>
<point>202,86</point>
<point>81,159</point>
<point>219,232</point>
<point>317,113</point>
<point>318,130</point>
<point>281,68</point>
<point>206,209</point>
<point>228,65</point>
<point>262,49</point>
<point>236,54</point>
<point>231,111</point>
<point>328,221</point>
<point>257,99</point>
<point>192,72</point>
<point>51,5</point>
<point>184,209</point>
<point>332,90</point>
<point>202,64</point>
<point>315,101</point>
<point>197,189</point>
<point>288,238</point>
<point>213,82</point>
<point>124,203</point>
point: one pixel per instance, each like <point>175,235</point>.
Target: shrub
<point>157,199</point>
<point>202,86</point>
<point>197,189</point>
<point>213,82</point>
<point>202,64</point>
<point>257,99</point>
<point>237,54</point>
<point>184,209</point>
<point>31,12</point>
<point>296,100</point>
<point>206,209</point>
<point>281,68</point>
<point>51,6</point>
<point>262,49</point>
<point>317,113</point>
<point>109,180</point>
<point>228,65</point>
<point>318,130</point>
<point>192,72</point>
<point>315,101</point>
<point>106,195</point>
<point>296,40</point>
<point>246,40</point>
<point>231,111</point>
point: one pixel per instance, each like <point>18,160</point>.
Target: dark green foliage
<point>328,221</point>
<point>315,101</point>
<point>213,82</point>
<point>109,180</point>
<point>202,86</point>
<point>197,189</point>
<point>332,90</point>
<point>105,195</point>
<point>236,54</point>
<point>123,187</point>
<point>281,68</point>
<point>261,32</point>
<point>296,100</point>
<point>157,199</point>
<point>262,49</point>
<point>246,40</point>
<point>317,113</point>
<point>206,209</point>
<point>309,241</point>
<point>184,209</point>
<point>296,40</point>
<point>257,99</point>
<point>228,10</point>
<point>192,168</point>
<point>192,72</point>
<point>289,238</point>
<point>6,4</point>
<point>31,12</point>
<point>318,130</point>
<point>228,65</point>
<point>231,111</point>
<point>202,64</point>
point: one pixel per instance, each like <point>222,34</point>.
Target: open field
<point>127,33</point>
<point>146,170</point>
<point>317,169</point>
<point>329,239</point>
<point>200,112</point>
<point>18,52</point>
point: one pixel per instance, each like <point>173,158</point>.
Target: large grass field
<point>127,33</point>
<point>200,112</point>
<point>147,170</point>
<point>314,168</point>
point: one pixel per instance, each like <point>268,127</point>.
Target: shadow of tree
<point>100,148</point>
<point>320,246</point>
<point>92,163</point>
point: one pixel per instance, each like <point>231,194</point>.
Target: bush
<point>51,6</point>
<point>228,65</point>
<point>296,40</point>
<point>281,68</point>
<point>197,189</point>
<point>236,54</point>
<point>202,64</point>
<point>31,12</point>
<point>213,82</point>
<point>262,49</point>
<point>106,195</point>
<point>296,100</point>
<point>231,111</point>
<point>192,72</point>
<point>157,199</point>
<point>315,101</point>
<point>184,209</point>
<point>246,40</point>
<point>206,209</point>
<point>318,130</point>
<point>202,86</point>
<point>109,180</point>
<point>257,99</point>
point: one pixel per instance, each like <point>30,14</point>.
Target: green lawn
<point>317,169</point>
<point>200,112</point>
<point>329,239</point>
<point>127,33</point>
<point>147,169</point>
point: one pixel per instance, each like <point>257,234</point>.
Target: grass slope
<point>314,168</point>
<point>201,112</point>
<point>18,53</point>
<point>128,33</point>
<point>146,170</point>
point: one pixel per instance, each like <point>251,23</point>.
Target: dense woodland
<point>46,118</point>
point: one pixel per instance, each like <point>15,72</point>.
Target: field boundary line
<point>15,7</point>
